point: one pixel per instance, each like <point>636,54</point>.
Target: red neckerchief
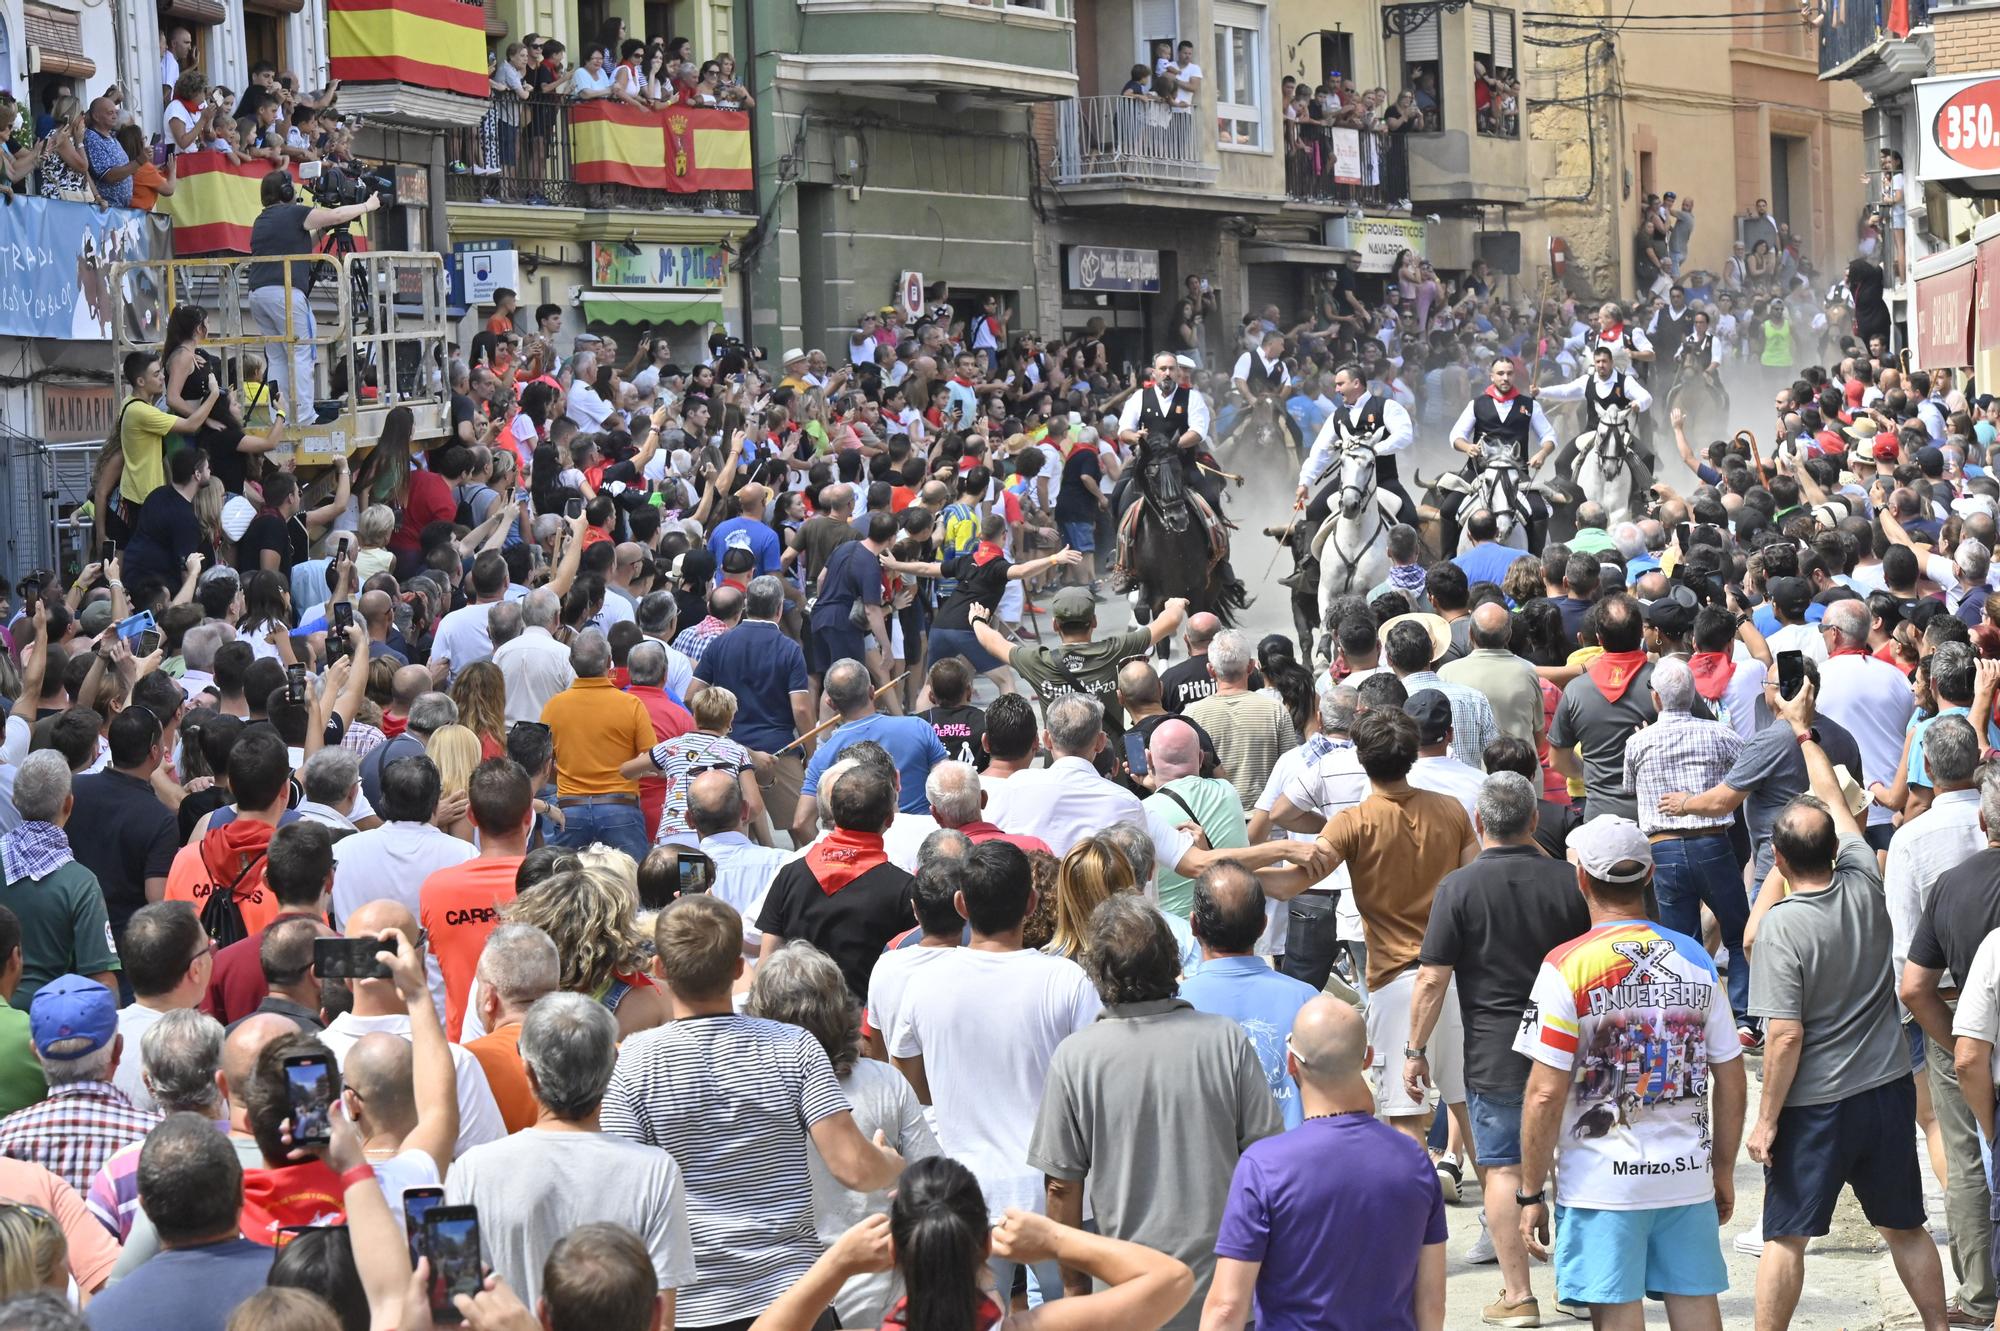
<point>1887,652</point>
<point>985,1319</point>
<point>1612,334</point>
<point>962,383</point>
<point>843,857</point>
<point>193,105</point>
<point>1613,673</point>
<point>1849,651</point>
<point>985,553</point>
<point>1712,673</point>
<point>1493,392</point>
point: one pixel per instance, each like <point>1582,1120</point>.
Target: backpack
<point>958,534</point>
<point>221,916</point>
<point>465,494</point>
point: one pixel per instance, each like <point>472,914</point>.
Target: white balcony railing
<point>1108,140</point>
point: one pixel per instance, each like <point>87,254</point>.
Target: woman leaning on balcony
<point>590,80</point>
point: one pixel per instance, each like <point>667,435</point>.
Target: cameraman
<point>286,227</point>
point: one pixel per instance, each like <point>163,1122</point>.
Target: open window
<point>1496,86</point>
<point>1241,74</point>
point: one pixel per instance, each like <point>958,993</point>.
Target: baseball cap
<point>1790,595</point>
<point>1670,617</point>
<point>71,1007</point>
<point>1072,605</point>
<point>1931,458</point>
<point>1968,505</point>
<point>1431,711</point>
<point>1887,450</point>
<point>1607,841</point>
<point>95,617</point>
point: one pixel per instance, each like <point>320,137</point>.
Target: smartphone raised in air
<point>451,1241</point>
<point>1791,674</point>
<point>311,1085</point>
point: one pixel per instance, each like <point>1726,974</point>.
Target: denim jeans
<point>1688,871</point>
<point>618,826</point>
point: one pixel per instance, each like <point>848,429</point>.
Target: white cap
<point>1607,841</point>
<point>1971,504</point>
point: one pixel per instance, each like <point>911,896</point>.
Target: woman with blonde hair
<point>208,502</point>
<point>1095,869</point>
<point>480,691</point>
<point>455,751</point>
<point>34,1255</point>
<point>593,917</point>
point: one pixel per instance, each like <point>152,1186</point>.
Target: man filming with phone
<point>281,293</point>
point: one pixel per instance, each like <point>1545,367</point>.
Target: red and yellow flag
<point>679,149</point>
<point>427,43</point>
<point>217,201</point>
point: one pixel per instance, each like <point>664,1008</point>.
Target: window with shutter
<point>1421,43</point>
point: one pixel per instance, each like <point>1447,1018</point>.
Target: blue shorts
<point>958,642</point>
<point>1080,536</point>
<point>1496,1127</point>
<point>1913,1036</point>
<point>1863,1142</point>
<point>1624,1256</point>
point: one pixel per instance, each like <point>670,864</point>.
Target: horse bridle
<point>1361,491</point>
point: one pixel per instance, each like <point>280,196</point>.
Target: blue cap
<point>71,1007</point>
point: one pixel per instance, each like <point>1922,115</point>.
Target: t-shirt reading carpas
<point>1635,1014</point>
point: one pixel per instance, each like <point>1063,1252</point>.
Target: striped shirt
<point>1473,726</point>
<point>73,1132</point>
<point>732,1099</point>
<point>1678,752</point>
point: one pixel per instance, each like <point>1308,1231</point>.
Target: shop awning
<point>57,38</point>
<point>1986,301</point>
<point>651,307</point>
<point>1945,289</point>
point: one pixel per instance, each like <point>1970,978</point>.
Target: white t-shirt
<point>890,979</point>
<point>1189,72</point>
<point>1635,1013</point>
<point>1799,638</point>
<point>987,1025</point>
<point>1446,775</point>
<point>1978,1015</point>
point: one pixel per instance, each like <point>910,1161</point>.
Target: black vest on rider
<point>1517,429</point>
<point>1595,403</point>
<point>1172,420</point>
<point>1260,378</point>
<point>1371,415</point>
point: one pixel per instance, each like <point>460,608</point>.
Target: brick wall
<point>1966,43</point>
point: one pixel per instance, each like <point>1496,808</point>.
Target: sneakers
<point>1450,1176</point>
<point>1750,1242</point>
<point>1481,1252</point>
<point>1750,1039</point>
<point>1569,1308</point>
<point>1502,1313</point>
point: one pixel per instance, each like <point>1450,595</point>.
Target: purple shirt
<point>1337,1210</point>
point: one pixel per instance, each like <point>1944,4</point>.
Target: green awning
<point>650,307</point>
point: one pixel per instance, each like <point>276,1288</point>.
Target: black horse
<point>1172,540</point>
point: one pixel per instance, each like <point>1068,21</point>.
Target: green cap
<point>1073,605</point>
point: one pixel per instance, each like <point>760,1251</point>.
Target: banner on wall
<point>697,267</point>
<point>680,149</point>
<point>55,270</point>
<point>1346,156</point>
<point>437,44</point>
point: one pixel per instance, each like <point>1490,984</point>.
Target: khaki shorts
<point>1389,1032</point>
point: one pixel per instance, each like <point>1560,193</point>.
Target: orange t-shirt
<point>146,182</point>
<point>499,324</point>
<point>459,907</point>
<point>499,1055</point>
<point>189,880</point>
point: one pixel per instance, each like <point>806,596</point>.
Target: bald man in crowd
<point>1343,1213</point>
<point>1507,680</point>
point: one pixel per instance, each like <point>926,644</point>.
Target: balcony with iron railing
<point>1852,32</point>
<point>1349,167</point>
<point>971,52</point>
<point>559,153</point>
<point>1131,141</point>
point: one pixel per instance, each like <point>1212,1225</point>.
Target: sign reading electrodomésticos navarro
<point>1378,240</point>
<point>700,267</point>
<point>55,270</point>
<point>1109,268</point>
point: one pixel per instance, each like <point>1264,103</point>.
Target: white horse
<point>1501,488</point>
<point>1606,466</point>
<point>1352,545</point>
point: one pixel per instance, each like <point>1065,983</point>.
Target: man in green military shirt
<point>1079,663</point>
<point>21,1080</point>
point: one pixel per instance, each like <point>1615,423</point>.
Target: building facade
<point>1622,109</point>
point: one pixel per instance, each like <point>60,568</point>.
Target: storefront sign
<point>1986,300</point>
<point>1944,313</point>
<point>75,412</point>
<point>482,267</point>
<point>1347,156</point>
<point>1108,268</point>
<point>695,267</point>
<point>1961,127</point>
<point>1378,240</point>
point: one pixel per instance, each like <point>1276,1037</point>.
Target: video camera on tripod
<point>335,185</point>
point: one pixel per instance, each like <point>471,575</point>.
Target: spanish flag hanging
<point>217,201</point>
<point>678,149</point>
<point>425,43</point>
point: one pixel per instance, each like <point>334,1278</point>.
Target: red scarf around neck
<point>1493,392</point>
<point>1712,673</point>
<point>1613,673</point>
<point>843,857</point>
<point>985,1319</point>
<point>1612,334</point>
<point>985,553</point>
